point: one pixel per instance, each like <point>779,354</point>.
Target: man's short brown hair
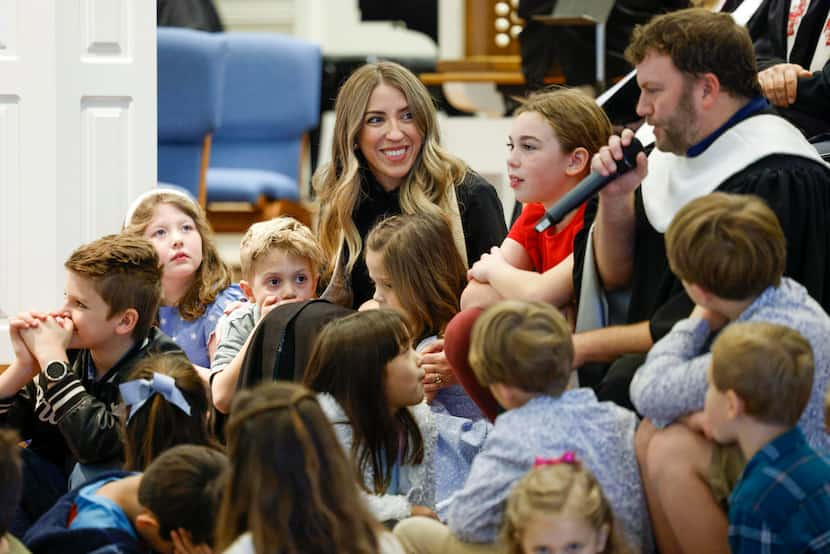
<point>732,245</point>
<point>526,345</point>
<point>699,41</point>
<point>125,272</point>
<point>770,367</point>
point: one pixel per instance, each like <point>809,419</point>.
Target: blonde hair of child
<point>770,367</point>
<point>576,118</point>
<point>732,245</point>
<point>565,488</point>
<point>426,270</point>
<point>284,234</point>
<point>213,276</point>
<point>523,344</point>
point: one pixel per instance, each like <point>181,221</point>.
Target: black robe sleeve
<point>482,216</point>
<point>798,191</point>
<point>581,243</point>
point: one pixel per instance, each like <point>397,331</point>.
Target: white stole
<point>673,181</point>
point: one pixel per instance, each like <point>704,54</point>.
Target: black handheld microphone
<point>588,186</point>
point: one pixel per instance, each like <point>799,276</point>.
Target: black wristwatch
<point>56,371</point>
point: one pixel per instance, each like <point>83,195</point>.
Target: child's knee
<point>677,452</point>
<point>421,535</point>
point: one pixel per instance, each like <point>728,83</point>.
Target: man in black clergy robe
<point>714,131</point>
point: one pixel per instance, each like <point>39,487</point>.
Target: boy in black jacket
<point>62,388</point>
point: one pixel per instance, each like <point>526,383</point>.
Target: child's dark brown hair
<point>159,425</point>
<point>290,484</point>
<point>182,488</point>
<point>358,382</point>
<point>11,478</point>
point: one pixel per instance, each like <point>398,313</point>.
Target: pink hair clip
<point>566,458</point>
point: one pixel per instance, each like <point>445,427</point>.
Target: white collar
<point>674,180</point>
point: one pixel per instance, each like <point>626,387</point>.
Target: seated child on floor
<point>196,283</point>
<point>552,138</point>
<point>70,363</point>
<point>308,504</point>
<point>730,253</point>
<point>281,262</point>
<point>175,500</point>
<point>559,507</point>
<point>760,379</point>
<point>418,271</point>
<point>523,352</point>
<point>166,405</point>
<point>11,487</point>
<point>369,386</point>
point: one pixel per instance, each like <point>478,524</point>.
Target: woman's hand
<point>437,371</point>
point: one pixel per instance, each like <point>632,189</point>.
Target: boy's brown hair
<point>285,234</point>
<point>523,344</point>
<point>770,367</point>
<point>125,272</point>
<point>699,41</point>
<point>426,270</point>
<point>732,245</point>
<point>182,488</point>
<point>577,120</point>
<point>11,478</point>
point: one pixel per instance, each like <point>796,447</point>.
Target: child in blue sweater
<point>135,513</point>
<point>523,352</point>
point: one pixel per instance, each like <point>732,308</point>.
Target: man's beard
<point>679,128</point>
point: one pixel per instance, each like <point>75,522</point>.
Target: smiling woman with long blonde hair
<point>386,159</point>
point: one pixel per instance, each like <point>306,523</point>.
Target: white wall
<point>77,135</point>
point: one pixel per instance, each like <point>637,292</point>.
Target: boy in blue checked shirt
<point>760,380</point>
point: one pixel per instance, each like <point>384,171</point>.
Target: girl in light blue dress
<point>196,283</point>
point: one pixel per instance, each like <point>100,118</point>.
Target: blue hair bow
<point>135,393</point>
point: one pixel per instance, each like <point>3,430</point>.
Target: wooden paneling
<point>491,28</point>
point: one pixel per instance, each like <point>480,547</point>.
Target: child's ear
<point>146,523</point>
<point>580,159</point>
<point>247,290</point>
<point>736,406</point>
<point>127,321</point>
<point>602,537</point>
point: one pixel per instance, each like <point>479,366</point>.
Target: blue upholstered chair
<point>191,76</point>
<point>271,100</point>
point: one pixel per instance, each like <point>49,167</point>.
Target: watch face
<point>56,371</point>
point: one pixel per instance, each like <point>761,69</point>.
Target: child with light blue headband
<point>167,405</point>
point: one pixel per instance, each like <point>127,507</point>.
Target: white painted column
<point>77,135</point>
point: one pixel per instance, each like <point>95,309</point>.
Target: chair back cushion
<point>271,98</point>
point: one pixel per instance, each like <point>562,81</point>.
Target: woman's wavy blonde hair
<point>213,276</point>
<point>427,188</point>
